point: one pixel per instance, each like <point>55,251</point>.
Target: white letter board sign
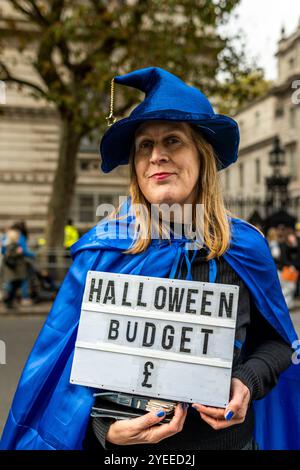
<point>163,338</point>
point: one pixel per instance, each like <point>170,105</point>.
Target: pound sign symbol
<point>146,373</point>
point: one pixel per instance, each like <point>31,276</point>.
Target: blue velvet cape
<point>50,413</point>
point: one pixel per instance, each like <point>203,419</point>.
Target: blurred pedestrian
<point>28,256</point>
<point>297,231</point>
<point>71,234</point>
<point>22,227</point>
<point>289,265</point>
<point>274,245</point>
<point>14,267</point>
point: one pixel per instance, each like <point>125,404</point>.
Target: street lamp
<point>277,184</point>
<point>277,154</point>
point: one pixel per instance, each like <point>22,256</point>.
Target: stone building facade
<point>275,114</point>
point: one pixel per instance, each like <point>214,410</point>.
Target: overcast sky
<point>261,22</point>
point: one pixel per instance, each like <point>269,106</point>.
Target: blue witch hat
<point>168,98</point>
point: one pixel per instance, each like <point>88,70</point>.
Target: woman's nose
<point>158,154</point>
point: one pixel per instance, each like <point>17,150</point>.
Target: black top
<point>289,255</point>
<point>258,367</point>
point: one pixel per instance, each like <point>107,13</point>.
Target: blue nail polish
<point>229,415</point>
<point>159,414</point>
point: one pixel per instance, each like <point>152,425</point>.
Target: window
<point>292,161</point>
<point>89,165</point>
<point>90,144</point>
<point>257,118</point>
<point>86,205</point>
<point>292,62</point>
<point>257,171</point>
<point>292,118</point>
<point>279,112</point>
<point>84,165</point>
<point>86,211</point>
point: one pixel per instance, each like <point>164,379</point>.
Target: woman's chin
<point>165,199</point>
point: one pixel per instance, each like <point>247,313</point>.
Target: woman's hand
<point>235,412</point>
<point>144,430</point>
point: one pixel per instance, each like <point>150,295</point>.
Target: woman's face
<point>167,163</point>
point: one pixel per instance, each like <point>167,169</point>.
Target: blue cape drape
<point>50,413</point>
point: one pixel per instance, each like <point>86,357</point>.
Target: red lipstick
<point>161,176</point>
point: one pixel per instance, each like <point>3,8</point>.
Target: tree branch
<point>38,13</point>
<point>57,7</point>
<point>8,77</point>
<point>45,65</point>
<point>18,7</point>
<point>34,16</point>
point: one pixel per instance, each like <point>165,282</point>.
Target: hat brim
<point>220,131</point>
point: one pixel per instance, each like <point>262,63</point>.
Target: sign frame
<point>177,364</point>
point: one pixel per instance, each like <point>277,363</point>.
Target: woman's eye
<point>172,140</point>
<point>145,144</point>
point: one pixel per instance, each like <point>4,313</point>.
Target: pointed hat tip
<point>143,79</point>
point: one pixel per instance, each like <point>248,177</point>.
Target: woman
<point>171,163</point>
<point>175,143</point>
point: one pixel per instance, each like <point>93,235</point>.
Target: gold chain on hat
<point>111,119</point>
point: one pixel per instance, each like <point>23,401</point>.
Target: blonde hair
<point>217,232</point>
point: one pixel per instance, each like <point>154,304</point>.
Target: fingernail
<point>229,415</point>
<point>160,413</point>
<point>194,406</point>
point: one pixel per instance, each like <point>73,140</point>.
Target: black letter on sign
<point>128,331</point>
<point>124,301</point>
<point>190,301</point>
<point>228,306</point>
<point>175,301</point>
<point>205,302</point>
<point>207,332</point>
<point>163,303</point>
<point>146,373</point>
<point>170,337</point>
<point>110,296</point>
<point>94,289</point>
<point>113,329</point>
<point>139,300</point>
<point>147,326</point>
<point>184,339</point>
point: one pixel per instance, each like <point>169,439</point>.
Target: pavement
<point>39,309</point>
<point>18,332</point>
